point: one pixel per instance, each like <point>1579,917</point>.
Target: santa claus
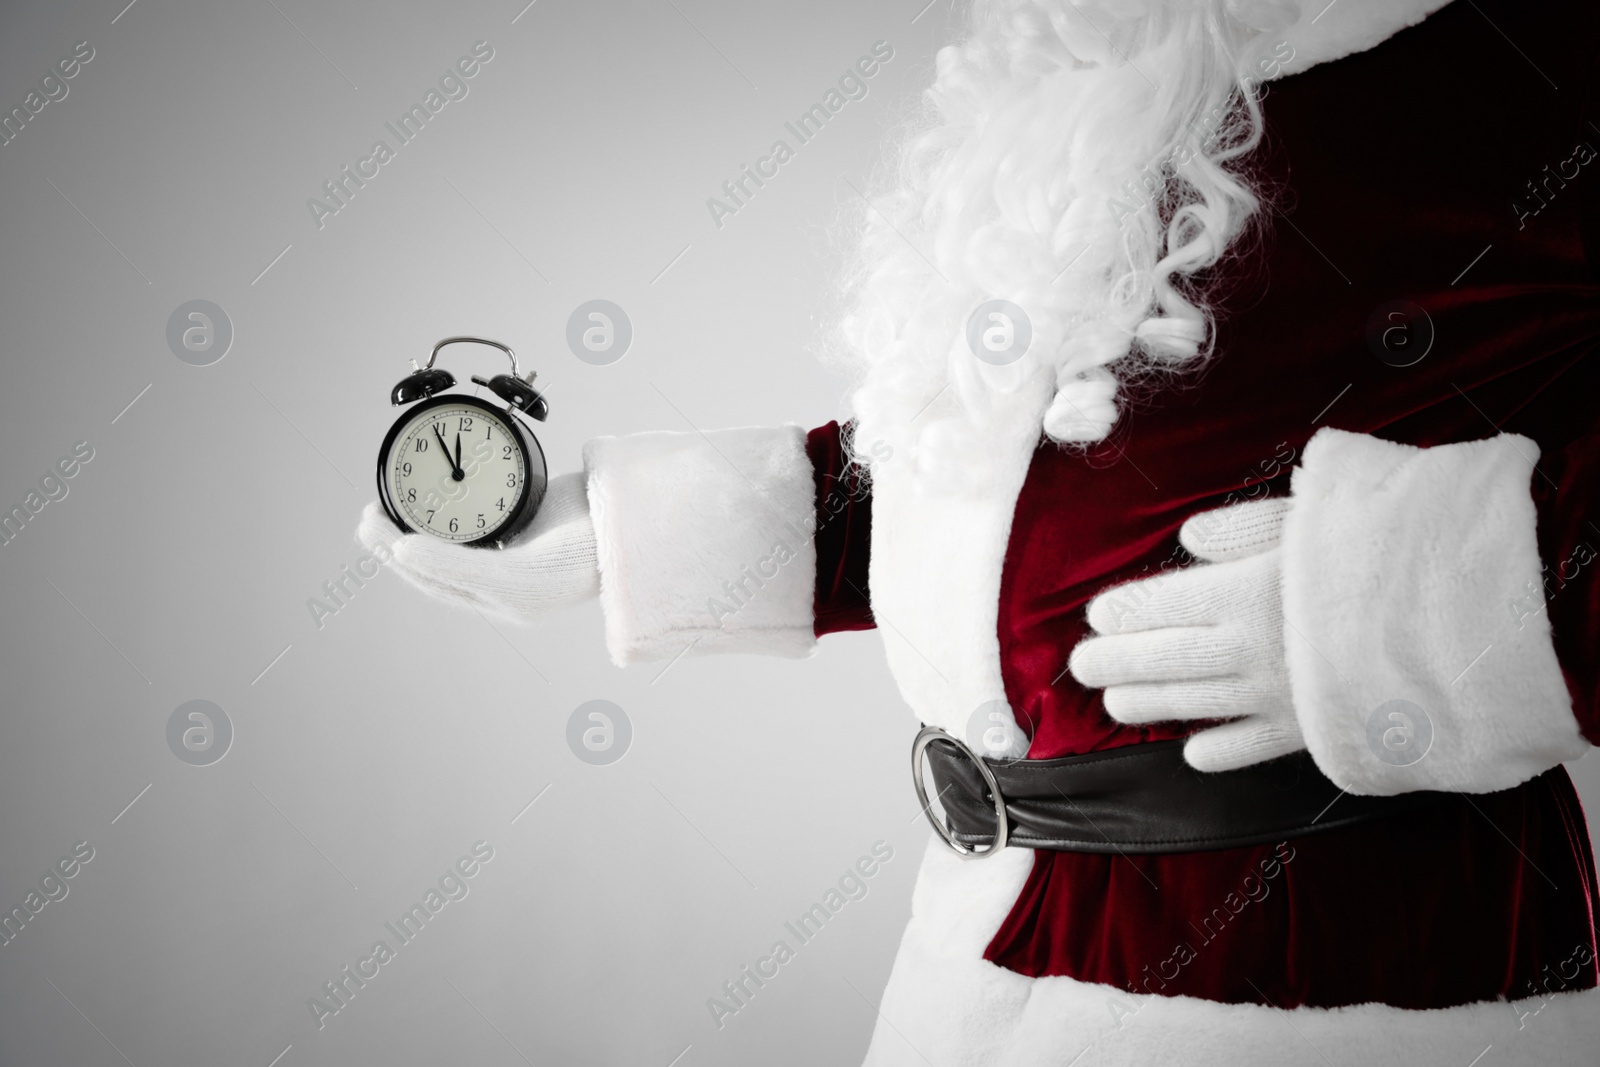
<point>1219,473</point>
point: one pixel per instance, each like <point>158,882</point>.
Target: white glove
<point>551,562</point>
<point>1203,642</point>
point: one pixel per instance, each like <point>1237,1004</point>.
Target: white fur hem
<point>704,542</point>
<point>946,1006</point>
<point>1327,32</point>
<point>1403,572</point>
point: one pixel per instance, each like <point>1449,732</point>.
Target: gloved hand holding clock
<point>465,510</point>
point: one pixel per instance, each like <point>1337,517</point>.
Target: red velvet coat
<point>1400,174</point>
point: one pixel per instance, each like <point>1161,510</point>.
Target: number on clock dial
<point>422,475</point>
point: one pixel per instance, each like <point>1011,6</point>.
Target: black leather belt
<point>1137,799</point>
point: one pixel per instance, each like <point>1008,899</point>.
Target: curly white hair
<point>1081,161</point>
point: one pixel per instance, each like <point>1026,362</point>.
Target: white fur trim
<point>937,556</point>
<point>1403,569</point>
<point>947,1006</point>
<point>704,541</point>
<point>1326,32</point>
<point>945,1003</point>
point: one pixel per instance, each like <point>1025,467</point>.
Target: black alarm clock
<point>463,469</point>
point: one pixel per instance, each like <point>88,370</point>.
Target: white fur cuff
<point>1410,667</point>
<point>704,542</point>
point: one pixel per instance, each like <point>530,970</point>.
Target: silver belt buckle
<point>928,735</point>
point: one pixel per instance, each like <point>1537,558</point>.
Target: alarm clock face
<point>460,470</point>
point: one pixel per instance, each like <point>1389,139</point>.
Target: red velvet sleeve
<point>844,535</point>
<point>1566,484</point>
<point>1564,417</point>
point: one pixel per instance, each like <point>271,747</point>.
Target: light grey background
<point>370,753</point>
<point>381,746</point>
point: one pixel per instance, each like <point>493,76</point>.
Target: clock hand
<point>458,455</point>
<point>455,471</point>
